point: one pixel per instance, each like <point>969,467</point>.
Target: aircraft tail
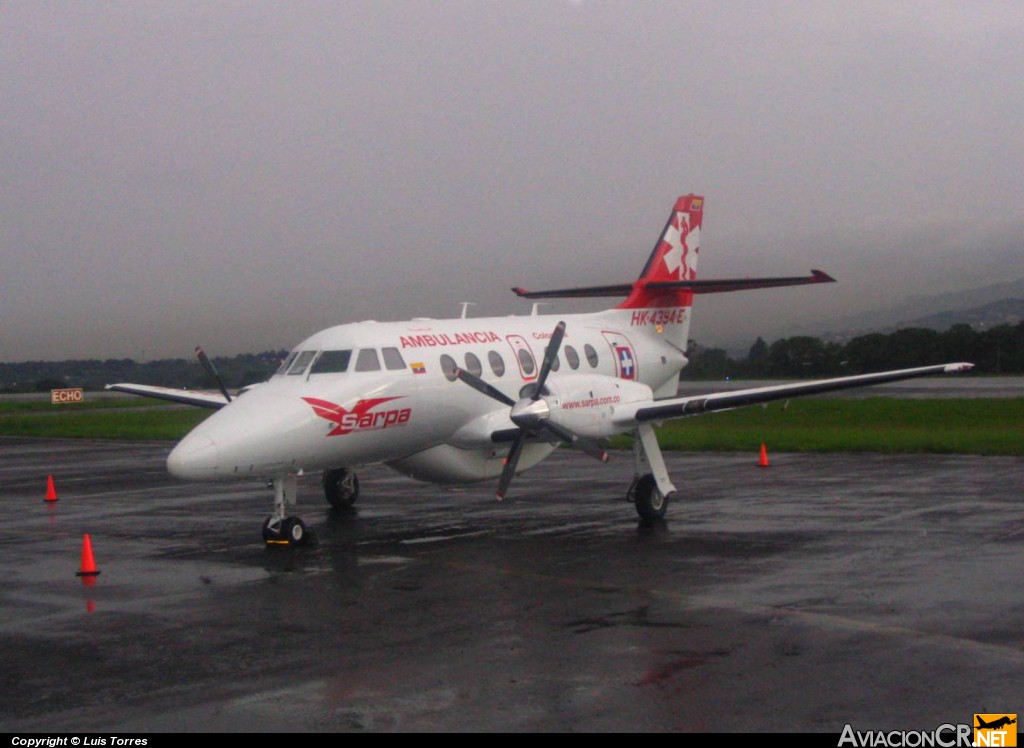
<point>672,261</point>
<point>661,299</point>
<point>669,279</point>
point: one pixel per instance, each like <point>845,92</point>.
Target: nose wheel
<point>289,531</point>
<point>280,529</point>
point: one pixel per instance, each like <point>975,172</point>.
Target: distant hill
<point>1002,312</point>
<point>1000,303</point>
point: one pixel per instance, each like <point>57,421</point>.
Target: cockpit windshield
<point>332,362</point>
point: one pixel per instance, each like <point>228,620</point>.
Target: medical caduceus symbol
<point>683,244</point>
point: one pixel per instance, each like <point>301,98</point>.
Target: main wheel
<point>341,488</point>
<point>649,501</point>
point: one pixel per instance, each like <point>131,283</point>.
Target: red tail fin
<point>674,258</point>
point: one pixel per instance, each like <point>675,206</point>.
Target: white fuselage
<point>373,392</point>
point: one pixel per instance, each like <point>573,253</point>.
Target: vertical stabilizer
<point>674,258</point>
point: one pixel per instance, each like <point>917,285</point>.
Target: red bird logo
<point>359,418</point>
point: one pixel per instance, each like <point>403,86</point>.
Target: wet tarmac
<point>879,591</point>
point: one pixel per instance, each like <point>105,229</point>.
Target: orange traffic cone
<point>763,462</point>
<point>88,562</point>
<point>51,492</point>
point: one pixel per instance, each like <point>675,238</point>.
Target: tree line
<point>997,350</point>
<point>95,374</point>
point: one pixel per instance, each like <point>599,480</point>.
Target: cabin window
<point>497,363</point>
<point>448,367</point>
<point>473,365</point>
<point>555,363</point>
<point>591,354</point>
<point>526,362</point>
<point>367,360</point>
<point>572,357</point>
<point>301,362</point>
<point>393,359</point>
<point>331,362</point>
<point>287,362</point>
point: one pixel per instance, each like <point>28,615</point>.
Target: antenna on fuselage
<point>536,307</point>
<point>465,308</point>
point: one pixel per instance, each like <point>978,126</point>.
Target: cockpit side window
<point>393,359</point>
<point>301,362</point>
<point>331,362</point>
<point>287,362</point>
<point>367,360</point>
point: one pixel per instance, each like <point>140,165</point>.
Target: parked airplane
<point>458,400</point>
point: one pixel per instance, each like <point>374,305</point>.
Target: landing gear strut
<point>278,528</point>
<point>341,488</point>
<point>651,487</point>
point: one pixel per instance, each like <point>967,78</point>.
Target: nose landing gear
<point>280,529</point>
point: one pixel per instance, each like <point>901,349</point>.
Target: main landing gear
<point>278,528</point>
<point>341,488</point>
<point>651,487</point>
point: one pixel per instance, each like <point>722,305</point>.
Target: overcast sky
<point>243,174</point>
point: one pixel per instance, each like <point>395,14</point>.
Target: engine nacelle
<point>587,403</point>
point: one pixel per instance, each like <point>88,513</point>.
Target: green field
<point>987,427</point>
<point>100,419</point>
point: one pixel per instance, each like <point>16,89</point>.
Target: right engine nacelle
<point>587,403</point>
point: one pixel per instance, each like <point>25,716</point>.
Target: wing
<point>682,407</point>
<point>213,400</point>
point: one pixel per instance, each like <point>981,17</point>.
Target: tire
<point>649,501</point>
<point>293,531</point>
<point>341,488</point>
<point>269,536</point>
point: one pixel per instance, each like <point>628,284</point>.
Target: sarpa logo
<point>995,729</point>
<point>362,416</point>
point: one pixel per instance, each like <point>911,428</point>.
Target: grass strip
<point>966,426</point>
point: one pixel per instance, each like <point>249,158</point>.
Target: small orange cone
<point>763,462</point>
<point>51,491</point>
<point>88,562</point>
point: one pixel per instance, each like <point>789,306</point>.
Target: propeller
<point>531,414</point>
<point>210,369</point>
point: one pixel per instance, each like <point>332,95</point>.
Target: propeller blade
<point>549,359</point>
<point>590,448</point>
<point>481,386</point>
<point>575,441</point>
<point>210,369</point>
<point>509,471</point>
<point>560,431</point>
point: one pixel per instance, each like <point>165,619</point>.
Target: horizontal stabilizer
<point>197,398</point>
<point>694,286</point>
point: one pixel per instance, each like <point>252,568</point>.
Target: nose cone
<point>195,458</point>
